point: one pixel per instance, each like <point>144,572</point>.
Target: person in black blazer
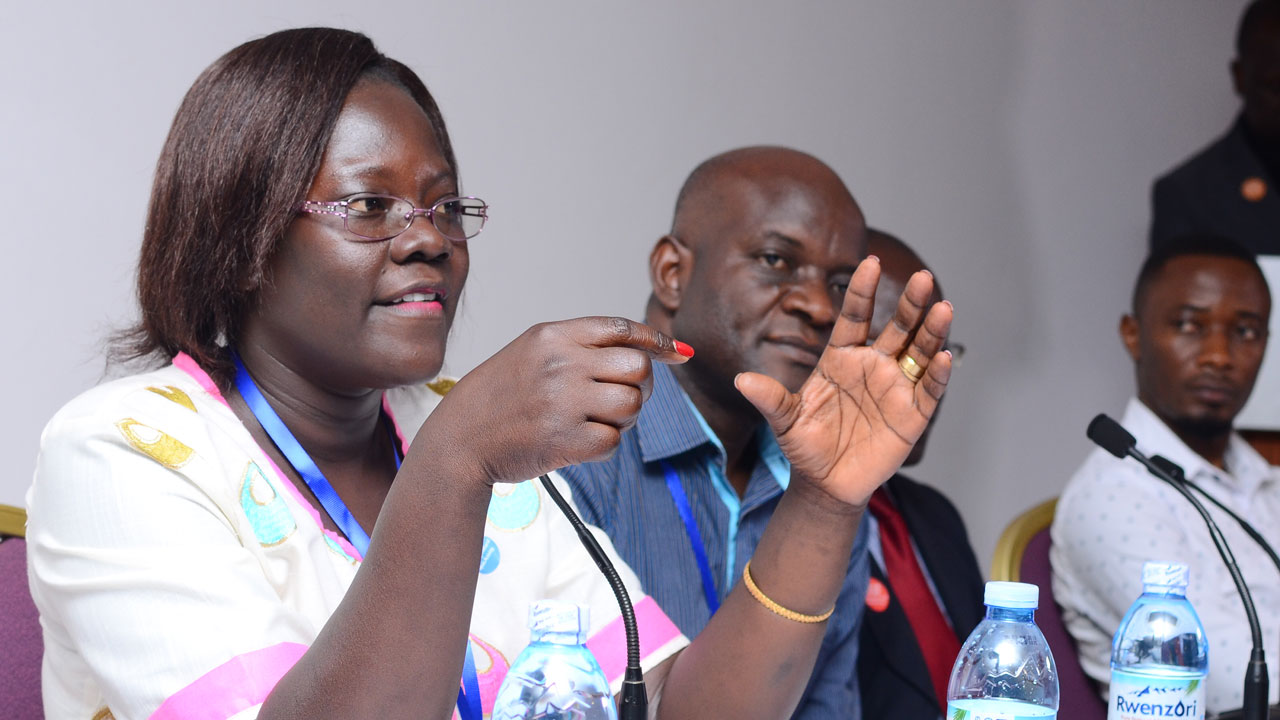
<point>1230,188</point>
<point>893,674</point>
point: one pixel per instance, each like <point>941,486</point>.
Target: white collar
<point>1246,469</point>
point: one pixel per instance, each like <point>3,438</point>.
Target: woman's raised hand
<point>560,394</point>
<point>854,421</point>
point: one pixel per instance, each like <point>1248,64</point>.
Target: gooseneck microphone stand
<point>1177,472</point>
<point>1113,438</point>
<point>635,700</point>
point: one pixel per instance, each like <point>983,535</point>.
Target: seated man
<point>1231,187</point>
<point>752,274</point>
<point>925,595</point>
<point>1196,334</point>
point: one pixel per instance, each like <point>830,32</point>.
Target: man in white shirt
<point>1196,333</point>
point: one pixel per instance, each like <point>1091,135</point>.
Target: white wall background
<point>1012,142</point>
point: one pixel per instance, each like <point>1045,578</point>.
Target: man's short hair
<point>1258,12</point>
<point>1194,244</point>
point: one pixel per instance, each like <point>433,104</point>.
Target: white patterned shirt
<point>1113,516</point>
<point>180,574</point>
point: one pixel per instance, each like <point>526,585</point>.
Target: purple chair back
<point>21,642</point>
<point>1079,699</point>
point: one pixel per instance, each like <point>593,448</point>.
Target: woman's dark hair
<point>241,154</point>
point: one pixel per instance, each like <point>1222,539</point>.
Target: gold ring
<point>912,369</point>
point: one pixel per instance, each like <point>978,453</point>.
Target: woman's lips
<point>418,302</point>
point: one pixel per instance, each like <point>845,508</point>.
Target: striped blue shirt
<point>627,497</point>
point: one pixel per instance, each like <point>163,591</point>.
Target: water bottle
<point>1005,670</point>
<point>1159,658</point>
<point>556,677</point>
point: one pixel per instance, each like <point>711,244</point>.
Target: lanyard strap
<point>695,538</point>
<point>299,459</point>
<point>469,694</point>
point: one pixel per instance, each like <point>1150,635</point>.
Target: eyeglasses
<point>381,217</point>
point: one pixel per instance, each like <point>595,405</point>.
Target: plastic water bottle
<point>1005,670</point>
<point>556,677</point>
<point>1159,658</point>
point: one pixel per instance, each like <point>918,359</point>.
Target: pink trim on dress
<point>185,363</point>
<point>239,683</point>
<point>386,408</point>
<point>610,644</point>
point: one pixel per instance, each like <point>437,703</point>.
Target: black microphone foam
<point>1110,436</point>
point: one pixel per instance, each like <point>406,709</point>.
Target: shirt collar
<point>668,424</point>
<point>1246,469</point>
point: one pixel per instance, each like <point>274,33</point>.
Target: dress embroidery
<point>175,394</point>
<point>337,549</point>
<point>155,444</point>
<point>491,668</point>
<point>490,556</point>
<point>514,506</point>
<point>268,514</point>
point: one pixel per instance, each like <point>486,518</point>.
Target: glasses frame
<point>340,209</point>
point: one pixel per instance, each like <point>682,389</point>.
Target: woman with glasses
<point>291,517</point>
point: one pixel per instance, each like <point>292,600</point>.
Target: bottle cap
<point>562,621</point>
<point>1166,574</point>
<point>1018,596</point>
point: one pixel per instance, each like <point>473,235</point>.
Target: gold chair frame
<point>1006,563</point>
<point>13,521</point>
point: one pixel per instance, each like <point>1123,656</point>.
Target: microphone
<point>635,699</point>
<point>1113,438</point>
<point>1177,472</point>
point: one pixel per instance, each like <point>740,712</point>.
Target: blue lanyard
<point>469,694</point>
<point>695,538</point>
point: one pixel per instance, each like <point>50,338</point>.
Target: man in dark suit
<point>1230,188</point>
<point>917,614</point>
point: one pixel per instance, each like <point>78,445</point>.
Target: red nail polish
<point>684,349</point>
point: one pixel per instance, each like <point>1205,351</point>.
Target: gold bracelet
<point>774,607</point>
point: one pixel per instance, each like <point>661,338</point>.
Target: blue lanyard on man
<point>469,694</point>
<point>681,500</point>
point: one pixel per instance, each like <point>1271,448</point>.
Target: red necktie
<point>935,637</point>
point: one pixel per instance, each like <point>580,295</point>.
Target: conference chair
<point>1022,555</point>
<point>20,636</point>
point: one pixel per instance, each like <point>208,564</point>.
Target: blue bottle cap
<point>1014,595</point>
<point>559,621</point>
<point>1166,574</point>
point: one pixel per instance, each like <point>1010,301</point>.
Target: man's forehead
<point>1210,282</point>
<point>778,203</point>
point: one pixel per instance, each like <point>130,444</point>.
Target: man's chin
<point>1203,425</point>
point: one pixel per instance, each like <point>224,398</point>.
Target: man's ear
<point>669,266</point>
<point>1237,77</point>
<point>1129,336</point>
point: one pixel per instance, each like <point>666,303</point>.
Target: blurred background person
<point>1229,188</point>
<point>761,250</point>
<point>925,592</point>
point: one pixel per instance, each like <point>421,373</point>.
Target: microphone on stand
<point>635,699</point>
<point>1177,472</point>
<point>1113,438</point>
